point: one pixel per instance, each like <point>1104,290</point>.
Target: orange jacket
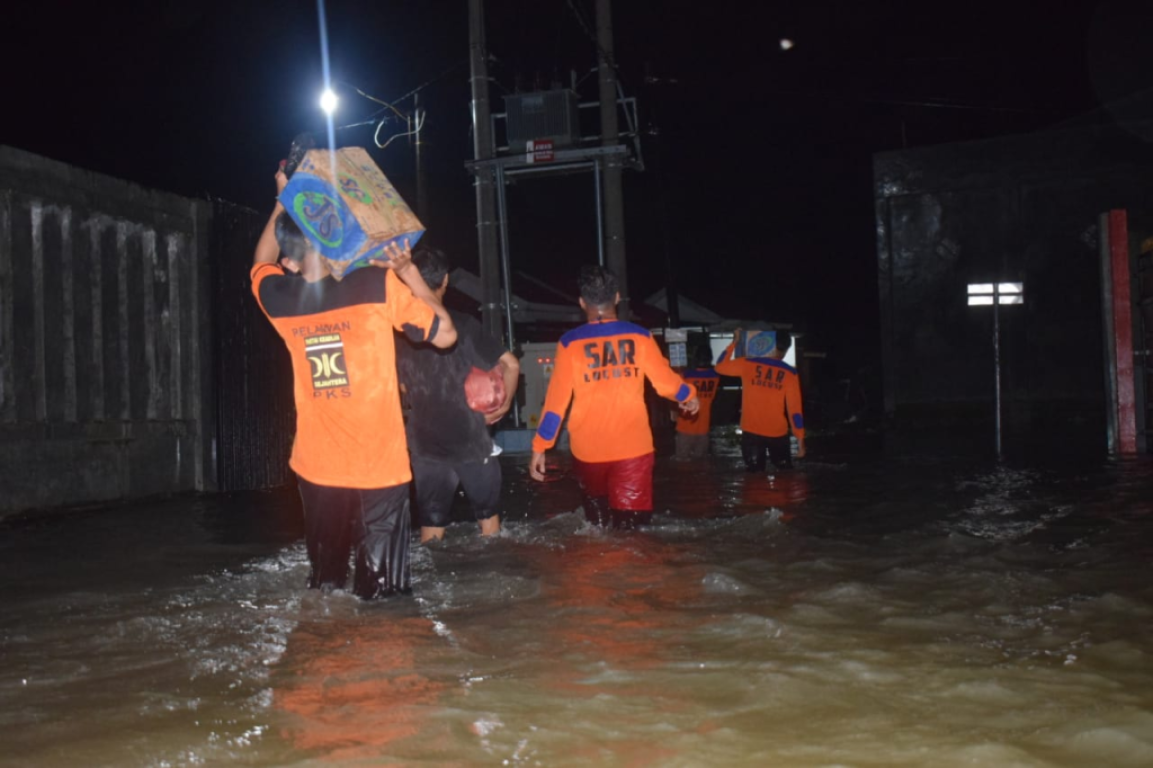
<point>707,383</point>
<point>349,430</point>
<point>770,394</point>
<point>600,367</point>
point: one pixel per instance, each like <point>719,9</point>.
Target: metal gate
<point>255,414</point>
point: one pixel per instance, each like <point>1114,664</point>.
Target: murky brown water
<point>870,612</point>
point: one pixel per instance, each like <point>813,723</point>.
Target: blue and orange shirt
<point>707,383</point>
<point>600,368</point>
<point>770,394</point>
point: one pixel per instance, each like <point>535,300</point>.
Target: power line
<point>429,82</point>
<point>591,35</point>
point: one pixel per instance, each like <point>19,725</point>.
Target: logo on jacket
<point>706,388</point>
<point>611,359</point>
<point>326,356</point>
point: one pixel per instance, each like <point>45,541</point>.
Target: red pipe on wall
<point>1122,311</point>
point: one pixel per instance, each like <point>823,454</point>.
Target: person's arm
<point>267,251</point>
<point>556,402</point>
<point>728,365</point>
<point>443,333</point>
<point>793,409</point>
<point>510,372</point>
<point>664,379</point>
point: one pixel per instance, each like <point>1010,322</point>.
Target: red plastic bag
<point>484,390</point>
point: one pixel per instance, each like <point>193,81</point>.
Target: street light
<point>328,101</point>
<point>996,295</point>
<point>988,294</point>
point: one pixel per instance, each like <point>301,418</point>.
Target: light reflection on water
<point>868,613</point>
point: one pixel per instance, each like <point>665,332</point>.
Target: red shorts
<point>628,483</point>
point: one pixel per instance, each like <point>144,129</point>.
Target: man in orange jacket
<point>600,367</point>
<point>770,404</point>
<point>349,455</point>
<point>693,429</point>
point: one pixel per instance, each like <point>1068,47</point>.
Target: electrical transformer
<point>549,115</point>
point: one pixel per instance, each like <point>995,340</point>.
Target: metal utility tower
<point>614,228</point>
<point>485,174</point>
<point>543,136</point>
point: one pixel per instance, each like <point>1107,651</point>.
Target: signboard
<point>988,294</point>
<point>539,151</point>
<point>676,339</point>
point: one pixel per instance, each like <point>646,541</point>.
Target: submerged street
<point>865,610</point>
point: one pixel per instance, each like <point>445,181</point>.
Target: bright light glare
<point>328,101</point>
<point>1010,287</point>
<point>786,44</point>
<point>980,288</point>
<point>980,301</point>
<point>1014,299</point>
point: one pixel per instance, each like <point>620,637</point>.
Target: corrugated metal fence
<point>255,415</point>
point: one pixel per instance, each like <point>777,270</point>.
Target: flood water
<point>866,610</point>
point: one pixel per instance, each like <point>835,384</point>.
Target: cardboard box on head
<point>348,208</point>
<point>755,343</point>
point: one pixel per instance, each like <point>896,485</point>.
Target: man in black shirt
<point>449,443</point>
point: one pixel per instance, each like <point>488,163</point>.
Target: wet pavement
<point>864,610</point>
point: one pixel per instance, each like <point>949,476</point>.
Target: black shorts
<point>753,448</point>
<point>435,483</point>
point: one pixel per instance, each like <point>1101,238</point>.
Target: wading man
<point>601,367</point>
<point>449,442</point>
<point>349,453</point>
<point>693,428</point>
<point>770,404</point>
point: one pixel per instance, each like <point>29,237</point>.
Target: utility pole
<point>485,176</point>
<point>613,192</point>
<point>672,299</point>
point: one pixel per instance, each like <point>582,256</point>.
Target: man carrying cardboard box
<point>770,403</point>
<point>349,454</point>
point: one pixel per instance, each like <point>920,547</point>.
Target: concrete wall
<point>104,338</point>
<point>1023,208</point>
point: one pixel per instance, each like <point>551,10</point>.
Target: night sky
<point>764,155</point>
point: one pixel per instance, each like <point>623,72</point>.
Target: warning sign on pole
<point>539,151</point>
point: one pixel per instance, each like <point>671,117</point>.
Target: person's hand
<point>399,257</point>
<point>801,448</point>
<point>498,414</point>
<point>281,179</point>
<point>690,407</point>
<point>536,467</point>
